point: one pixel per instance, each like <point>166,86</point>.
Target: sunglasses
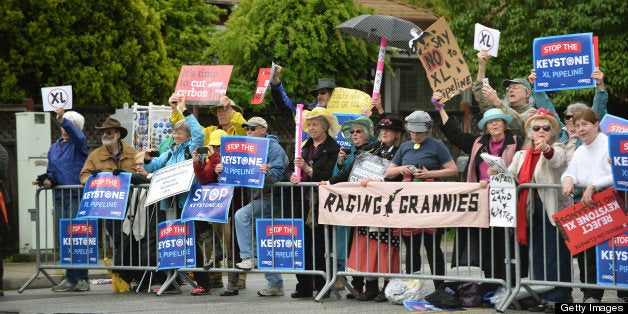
<point>545,128</point>
<point>108,132</point>
<point>322,92</point>
<point>568,117</point>
<point>251,129</point>
<point>356,131</point>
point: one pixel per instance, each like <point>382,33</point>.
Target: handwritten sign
<point>486,39</point>
<point>79,241</point>
<point>263,79</point>
<point>208,202</point>
<point>613,124</point>
<point>105,196</point>
<point>175,245</point>
<point>169,181</point>
<point>502,201</point>
<point>563,62</point>
<point>612,264</point>
<point>618,151</point>
<point>242,157</point>
<point>203,84</point>
<point>440,55</point>
<point>280,243</point>
<point>368,166</point>
<point>347,100</point>
<point>583,227</point>
<point>57,97</point>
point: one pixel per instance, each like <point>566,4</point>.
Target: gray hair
<point>323,121</point>
<point>75,118</point>
<point>529,132</point>
<point>182,126</point>
<point>576,107</point>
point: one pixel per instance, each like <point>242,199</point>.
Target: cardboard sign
<point>612,264</point>
<point>57,97</point>
<point>169,181</point>
<point>404,204</point>
<point>203,84</point>
<point>263,79</point>
<point>280,243</point>
<point>176,247</point>
<point>79,242</point>
<point>440,55</point>
<point>618,151</point>
<point>486,39</point>
<point>563,62</point>
<point>208,202</point>
<point>583,227</point>
<point>368,166</point>
<point>613,124</point>
<point>502,201</point>
<point>105,196</point>
<point>242,157</point>
<point>347,100</point>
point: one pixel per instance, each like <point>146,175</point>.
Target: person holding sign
<point>517,104</point>
<point>266,203</point>
<point>322,92</point>
<point>542,160</point>
<point>589,167</point>
<point>423,158</point>
<point>318,156</point>
<point>497,140</point>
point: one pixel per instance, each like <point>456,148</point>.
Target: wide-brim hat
<point>255,121</point>
<point>419,121</point>
<point>518,80</point>
<point>542,113</point>
<point>334,126</point>
<point>363,121</point>
<point>112,123</point>
<point>391,123</point>
<point>214,109</point>
<point>324,83</point>
<point>214,137</point>
<point>493,114</point>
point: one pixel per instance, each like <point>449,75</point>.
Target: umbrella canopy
<point>400,33</point>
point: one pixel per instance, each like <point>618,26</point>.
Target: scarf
<point>525,176</point>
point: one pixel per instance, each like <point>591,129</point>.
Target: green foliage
<point>111,52</point>
<point>522,21</point>
<point>298,35</point>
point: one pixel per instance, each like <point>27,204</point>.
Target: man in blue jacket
<point>323,92</point>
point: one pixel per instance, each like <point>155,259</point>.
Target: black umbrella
<point>388,31</point>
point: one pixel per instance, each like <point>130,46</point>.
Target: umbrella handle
<point>380,67</point>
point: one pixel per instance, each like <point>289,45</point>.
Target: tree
<point>298,35</point>
<point>522,21</point>
<point>111,52</point>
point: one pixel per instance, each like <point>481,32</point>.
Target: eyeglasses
<point>515,87</point>
<point>356,131</point>
<point>251,129</point>
<point>568,117</point>
<point>321,92</point>
<point>545,128</point>
<point>107,131</point>
<point>493,121</point>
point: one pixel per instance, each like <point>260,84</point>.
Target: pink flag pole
<point>380,67</point>
<point>298,138</point>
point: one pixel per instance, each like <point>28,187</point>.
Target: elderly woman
<point>423,158</point>
<point>317,160</point>
<point>542,160</point>
<point>497,140</point>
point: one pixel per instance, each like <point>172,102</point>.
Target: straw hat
<point>334,127</point>
<point>543,113</point>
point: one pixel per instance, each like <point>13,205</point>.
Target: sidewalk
<point>16,274</point>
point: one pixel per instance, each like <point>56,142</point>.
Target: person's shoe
<point>64,286</point>
<point>591,300</point>
<point>247,263</point>
<point>301,294</point>
<point>82,285</point>
<point>357,291</point>
<point>381,296</point>
<point>270,292</point>
<point>242,281</point>
<point>201,291</point>
<point>229,293</point>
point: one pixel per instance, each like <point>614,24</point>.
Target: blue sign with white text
<point>563,62</point>
<point>79,241</point>
<point>280,243</point>
<point>105,196</point>
<point>175,244</point>
<point>618,152</point>
<point>208,202</point>
<point>609,260</point>
<point>241,157</point>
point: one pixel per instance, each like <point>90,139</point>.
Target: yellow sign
<point>346,100</point>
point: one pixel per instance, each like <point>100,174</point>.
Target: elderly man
<point>322,92</point>
<point>265,204</point>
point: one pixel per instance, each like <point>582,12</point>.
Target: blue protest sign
<point>609,260</point>
<point>79,242</point>
<point>340,138</point>
<point>280,243</point>
<point>241,157</point>
<point>105,196</point>
<point>208,202</point>
<point>175,245</point>
<point>618,151</point>
<point>563,62</point>
<point>613,124</point>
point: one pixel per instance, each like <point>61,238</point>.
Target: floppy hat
<point>519,80</point>
<point>363,121</point>
<point>542,113</point>
<point>214,137</point>
<point>112,123</point>
<point>391,123</point>
<point>255,121</point>
<point>324,83</point>
<point>214,109</point>
<point>332,120</point>
<point>492,114</point>
<point>418,121</point>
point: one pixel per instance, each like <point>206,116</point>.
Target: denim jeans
<point>66,207</point>
<point>244,222</point>
<point>549,254</point>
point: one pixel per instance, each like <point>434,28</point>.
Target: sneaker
<point>591,300</point>
<point>82,285</point>
<point>201,291</point>
<point>247,263</point>
<point>270,292</point>
<point>64,286</point>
